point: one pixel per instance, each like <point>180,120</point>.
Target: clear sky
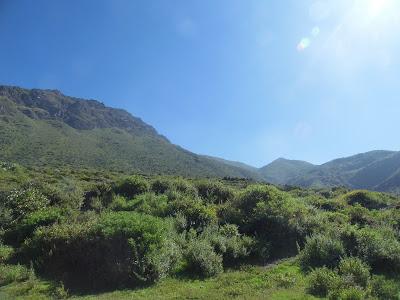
<point>246,80</point>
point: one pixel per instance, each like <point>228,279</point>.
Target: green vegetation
<point>36,126</point>
<point>375,170</point>
<point>84,234</point>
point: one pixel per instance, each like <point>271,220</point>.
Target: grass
<point>282,281</point>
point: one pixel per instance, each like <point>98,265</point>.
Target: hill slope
<point>282,171</point>
<point>375,170</point>
<point>45,127</point>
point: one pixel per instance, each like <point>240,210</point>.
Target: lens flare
<point>304,44</point>
<point>315,31</point>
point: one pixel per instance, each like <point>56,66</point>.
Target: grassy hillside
<point>46,128</point>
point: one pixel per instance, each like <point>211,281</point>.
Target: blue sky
<point>246,80</point>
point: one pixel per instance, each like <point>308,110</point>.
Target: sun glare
<point>377,7</point>
<point>374,10</point>
<point>349,36</point>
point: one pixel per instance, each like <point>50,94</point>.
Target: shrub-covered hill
<point>375,170</point>
<point>47,128</point>
<point>90,234</point>
<point>283,171</point>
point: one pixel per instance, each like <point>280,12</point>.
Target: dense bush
<point>27,225</point>
<point>137,230</point>
<point>116,249</point>
<point>12,273</point>
<point>322,281</point>
<point>5,252</point>
<point>379,247</point>
<point>23,201</point>
<point>161,185</point>
<point>285,223</point>
<point>197,214</point>
<point>360,215</point>
<point>321,250</point>
<point>354,272</point>
<point>351,293</point>
<point>151,204</point>
<point>252,195</point>
<point>384,289</point>
<point>202,259</point>
<point>227,241</point>
<point>214,192</point>
<point>132,186</point>
<point>102,194</point>
<point>66,193</point>
<point>184,187</point>
<point>368,199</point>
<point>6,216</point>
<point>274,217</point>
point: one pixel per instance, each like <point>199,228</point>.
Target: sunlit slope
<point>43,127</point>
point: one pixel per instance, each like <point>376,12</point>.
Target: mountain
<point>236,164</point>
<point>284,170</point>
<point>47,128</point>
<point>375,170</point>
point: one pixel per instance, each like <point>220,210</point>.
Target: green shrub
<point>285,280</point>
<point>368,199</point>
<point>100,195</point>
<point>360,215</point>
<point>27,226</point>
<point>252,195</point>
<point>274,217</point>
<point>384,289</point>
<point>214,192</point>
<point>12,273</point>
<point>351,293</point>
<point>119,203</point>
<point>24,201</point>
<point>354,272</point>
<point>119,248</point>
<point>227,241</point>
<point>150,204</point>
<point>184,187</point>
<point>5,253</point>
<point>285,223</point>
<point>197,214</point>
<point>379,247</point>
<point>322,281</point>
<point>132,186</point>
<point>202,259</point>
<point>321,250</point>
<point>66,193</point>
<point>6,216</point>
<point>60,292</point>
<point>161,185</point>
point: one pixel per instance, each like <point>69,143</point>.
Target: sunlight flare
<point>304,44</point>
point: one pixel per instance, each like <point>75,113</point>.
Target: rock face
<point>77,113</point>
<point>47,128</point>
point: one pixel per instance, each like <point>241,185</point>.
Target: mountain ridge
<point>47,128</point>
<point>375,170</point>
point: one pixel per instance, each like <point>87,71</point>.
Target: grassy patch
<point>282,281</point>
